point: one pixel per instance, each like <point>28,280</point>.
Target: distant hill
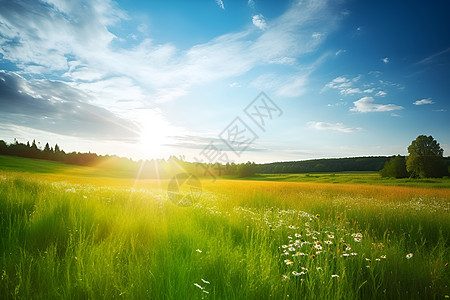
<point>370,163</point>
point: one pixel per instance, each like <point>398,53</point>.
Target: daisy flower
<point>409,255</point>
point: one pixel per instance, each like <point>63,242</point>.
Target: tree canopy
<point>425,158</point>
<point>396,168</point>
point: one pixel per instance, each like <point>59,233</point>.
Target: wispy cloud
<point>433,57</point>
<point>74,39</point>
<point>54,106</point>
<point>423,101</point>
<point>220,3</point>
<point>381,94</point>
<point>251,3</point>
<point>340,51</point>
<point>386,60</point>
<point>345,85</point>
<point>332,126</point>
<point>367,104</point>
<point>258,21</point>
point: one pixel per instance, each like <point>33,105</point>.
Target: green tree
<point>425,158</point>
<point>247,170</point>
<point>396,167</point>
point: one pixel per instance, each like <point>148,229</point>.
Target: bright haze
<point>149,79</point>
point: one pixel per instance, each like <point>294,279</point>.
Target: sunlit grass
<point>75,237</point>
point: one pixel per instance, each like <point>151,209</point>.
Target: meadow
<point>69,235</point>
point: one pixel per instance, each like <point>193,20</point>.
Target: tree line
<point>374,163</point>
<point>154,168</point>
<point>425,160</point>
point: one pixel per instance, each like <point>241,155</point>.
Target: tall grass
<point>243,240</point>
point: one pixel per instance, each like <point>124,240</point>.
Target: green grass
<point>36,166</point>
<point>354,178</point>
<point>66,240</point>
<point>70,232</point>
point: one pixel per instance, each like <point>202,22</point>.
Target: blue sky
<point>149,79</point>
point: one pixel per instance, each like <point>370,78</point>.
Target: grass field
<point>65,234</point>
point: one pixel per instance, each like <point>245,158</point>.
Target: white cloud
<point>350,91</point>
<point>235,84</point>
<point>367,104</point>
<point>74,39</point>
<point>340,51</point>
<point>317,35</point>
<point>423,101</point>
<point>258,21</point>
<point>344,85</point>
<point>251,3</point>
<point>220,3</point>
<point>332,126</point>
<point>381,94</point>
<point>385,60</point>
<point>292,85</point>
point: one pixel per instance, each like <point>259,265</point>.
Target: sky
<point>226,81</point>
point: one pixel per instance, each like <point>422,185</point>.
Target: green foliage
<point>425,158</point>
<point>396,168</point>
<point>248,169</point>
<point>375,163</point>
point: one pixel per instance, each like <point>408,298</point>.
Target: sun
<point>155,131</point>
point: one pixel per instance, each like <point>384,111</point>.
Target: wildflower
<point>199,251</point>
<point>328,242</point>
<point>317,216</point>
<point>284,246</point>
<point>357,239</point>
<point>368,259</point>
<point>288,262</point>
<point>377,259</point>
<point>334,276</point>
<point>285,253</point>
<point>345,255</point>
<point>291,249</point>
<point>206,292</point>
<point>331,236</point>
<point>353,254</point>
<point>318,268</point>
<point>318,247</point>
<point>198,285</point>
<point>295,273</point>
<point>313,256</point>
<point>297,235</point>
<point>285,277</point>
<point>383,256</point>
<point>205,281</point>
<point>409,255</point>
